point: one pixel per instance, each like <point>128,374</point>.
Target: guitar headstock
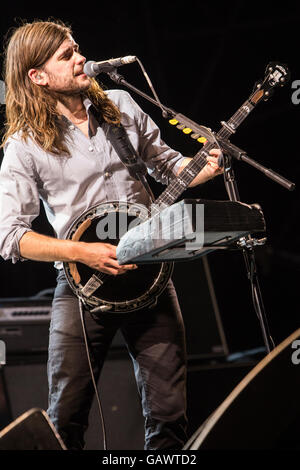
<point>276,75</point>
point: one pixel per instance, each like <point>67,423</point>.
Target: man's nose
<point>80,59</point>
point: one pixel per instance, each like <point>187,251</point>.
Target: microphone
<point>91,68</point>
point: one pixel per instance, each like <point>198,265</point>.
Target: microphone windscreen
<point>88,69</point>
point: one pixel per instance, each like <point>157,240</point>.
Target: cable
<point>164,112</point>
<point>258,306</point>
<point>92,373</point>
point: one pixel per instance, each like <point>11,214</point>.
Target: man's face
<point>64,70</point>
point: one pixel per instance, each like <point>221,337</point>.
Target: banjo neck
<point>276,74</point>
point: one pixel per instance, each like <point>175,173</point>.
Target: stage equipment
<point>32,430</point>
<point>263,410</point>
<point>24,324</point>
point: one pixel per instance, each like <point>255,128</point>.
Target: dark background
<point>204,60</point>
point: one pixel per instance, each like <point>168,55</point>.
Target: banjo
<point>140,288</point>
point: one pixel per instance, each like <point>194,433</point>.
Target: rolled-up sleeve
<point>19,199</point>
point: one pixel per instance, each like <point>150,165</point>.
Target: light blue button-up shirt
<point>69,185</point>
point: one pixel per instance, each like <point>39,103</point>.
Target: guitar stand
<point>247,245</point>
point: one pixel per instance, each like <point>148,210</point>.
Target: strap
<point>128,156</point>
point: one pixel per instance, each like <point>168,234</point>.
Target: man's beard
<point>71,89</point>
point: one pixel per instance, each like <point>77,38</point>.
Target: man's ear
<point>39,77</point>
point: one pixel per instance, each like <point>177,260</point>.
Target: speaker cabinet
<point>32,430</point>
<point>25,382</point>
<point>263,410</point>
<point>27,387</point>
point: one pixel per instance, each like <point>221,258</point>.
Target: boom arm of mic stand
<point>167,113</point>
<point>240,154</point>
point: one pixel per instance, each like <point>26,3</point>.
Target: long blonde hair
<point>31,109</point>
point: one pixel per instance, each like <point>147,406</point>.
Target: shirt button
<point>71,127</point>
<point>107,174</point>
<point>91,149</point>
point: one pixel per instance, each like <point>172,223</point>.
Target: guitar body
<point>102,292</point>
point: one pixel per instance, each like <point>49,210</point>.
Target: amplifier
<point>24,324</point>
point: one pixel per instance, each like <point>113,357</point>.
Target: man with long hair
<point>56,150</point>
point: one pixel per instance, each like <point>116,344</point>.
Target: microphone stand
<point>230,151</point>
<point>240,154</point>
<point>248,243</point>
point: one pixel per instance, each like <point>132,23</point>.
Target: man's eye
<point>68,55</point>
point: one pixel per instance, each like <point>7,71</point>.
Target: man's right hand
<point>99,256</point>
<point>103,257</point>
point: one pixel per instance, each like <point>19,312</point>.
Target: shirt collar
<point>87,104</point>
<point>91,111</point>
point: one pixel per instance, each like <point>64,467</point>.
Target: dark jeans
<point>156,344</point>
